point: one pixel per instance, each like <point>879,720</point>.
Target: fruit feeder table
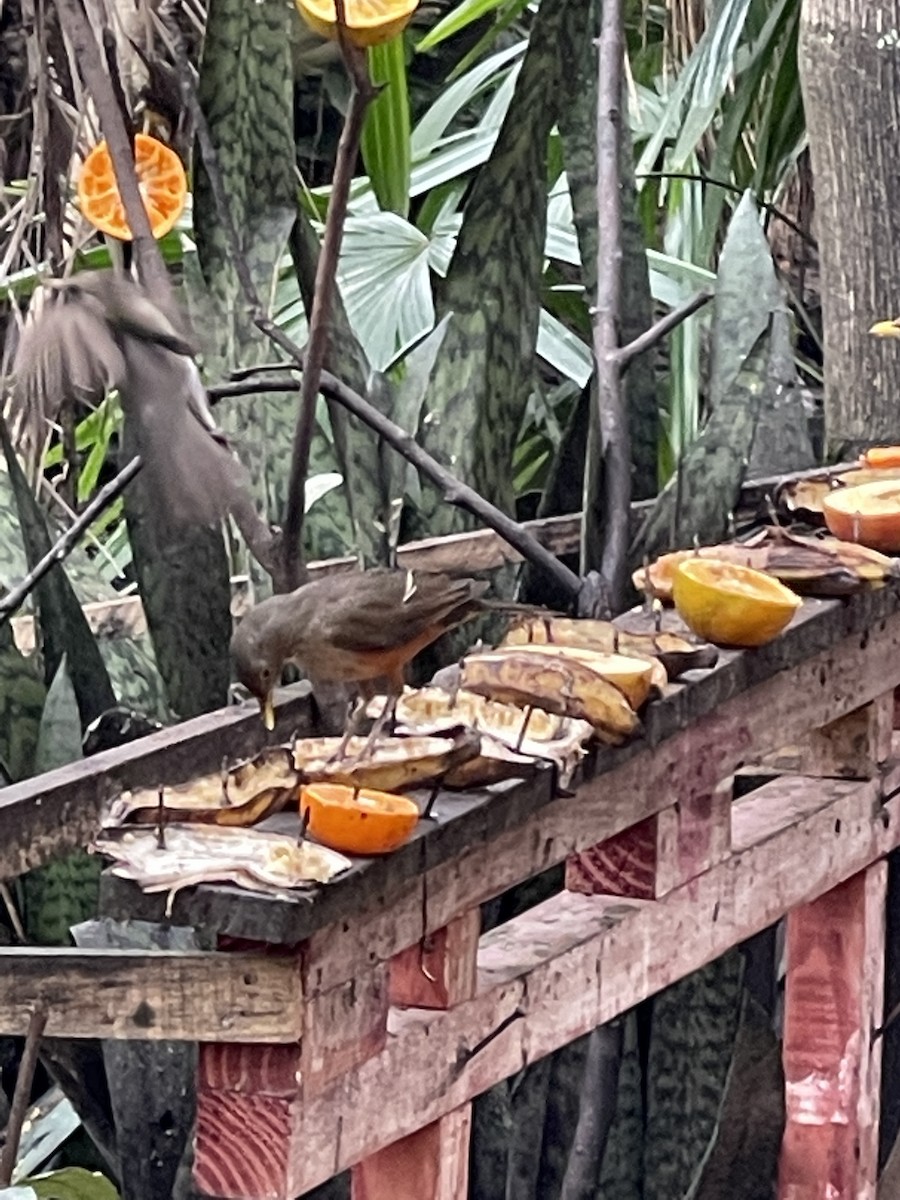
<point>351,1022</point>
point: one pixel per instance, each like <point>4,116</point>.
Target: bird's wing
<point>381,609</point>
<point>66,352</point>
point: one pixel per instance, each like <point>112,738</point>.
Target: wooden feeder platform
<point>352,1026</point>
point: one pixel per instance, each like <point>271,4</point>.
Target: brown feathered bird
<point>361,628</point>
<point>99,330</point>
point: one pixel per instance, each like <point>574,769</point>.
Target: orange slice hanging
<point>358,820</point>
<point>369,22</point>
<point>868,514</point>
<point>161,179</point>
<point>731,605</point>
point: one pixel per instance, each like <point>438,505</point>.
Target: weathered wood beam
<point>43,817</point>
<point>151,995</point>
<point>574,961</point>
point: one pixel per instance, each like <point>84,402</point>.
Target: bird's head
<point>257,663</point>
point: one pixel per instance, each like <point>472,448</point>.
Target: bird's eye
<point>266,674</point>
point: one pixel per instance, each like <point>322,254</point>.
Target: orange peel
<point>161,180</point>
<point>731,605</point>
<point>358,820</point>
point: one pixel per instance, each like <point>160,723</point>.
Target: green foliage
<point>72,1183</point>
<point>386,149</point>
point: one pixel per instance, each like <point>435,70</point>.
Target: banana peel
<point>567,686</point>
<point>812,566</point>
<point>395,764</point>
<point>634,677</point>
<point>511,740</point>
<point>677,654</point>
<point>239,796</point>
<point>192,854</point>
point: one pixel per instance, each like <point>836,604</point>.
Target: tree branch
<point>361,95</point>
<point>36,1026</point>
<point>66,543</point>
<point>149,261</point>
<point>453,490</point>
<point>615,442</point>
<point>663,326</point>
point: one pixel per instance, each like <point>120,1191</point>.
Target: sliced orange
<point>368,22</point>
<point>731,605</point>
<point>881,457</point>
<point>868,514</point>
<point>161,180</point>
<point>358,820</point>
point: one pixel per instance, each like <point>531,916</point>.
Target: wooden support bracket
<point>833,1001</point>
<point>855,746</point>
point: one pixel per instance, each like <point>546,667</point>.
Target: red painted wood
<point>624,865</point>
<point>439,971</point>
<point>833,1000</point>
<point>242,1145</point>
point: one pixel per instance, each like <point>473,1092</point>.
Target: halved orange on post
<point>731,605</point>
<point>358,820</point>
<point>161,181</point>
<point>880,458</point>
<point>868,514</point>
<point>368,22</point>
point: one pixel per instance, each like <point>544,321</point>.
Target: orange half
<point>369,22</point>
<point>731,605</point>
<point>868,514</point>
<point>358,820</point>
<point>161,180</point>
<point>879,458</point>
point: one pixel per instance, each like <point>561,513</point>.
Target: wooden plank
<point>833,1001</point>
<point>745,707</point>
<point>432,1163</point>
<point>43,817</point>
<point>852,747</point>
<point>151,995</point>
<point>563,967</point>
<point>440,970</point>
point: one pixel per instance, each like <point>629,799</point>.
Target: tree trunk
<point>850,74</point>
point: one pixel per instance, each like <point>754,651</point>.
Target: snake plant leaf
<point>63,626</point>
<point>245,90</point>
<point>483,373</point>
<point>131,664</point>
<point>695,1025</point>
<point>22,696</point>
<point>56,896</point>
<point>59,736</point>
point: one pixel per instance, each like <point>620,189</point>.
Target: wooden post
<point>855,746</point>
<point>833,1002</point>
<point>433,1163</point>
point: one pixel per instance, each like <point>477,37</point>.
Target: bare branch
<point>612,424</point>
<point>150,265</point>
<point>36,1026</point>
<point>67,542</point>
<point>663,326</point>
<point>361,96</point>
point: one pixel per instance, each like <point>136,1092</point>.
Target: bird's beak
<point>268,711</point>
<point>889,329</point>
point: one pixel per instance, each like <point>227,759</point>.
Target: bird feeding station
<point>309,1007</point>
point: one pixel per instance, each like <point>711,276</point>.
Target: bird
<point>100,330</point>
<point>361,627</point>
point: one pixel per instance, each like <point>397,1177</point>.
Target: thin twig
<point>700,177</point>
<point>67,542</point>
<point>612,423</point>
<point>24,1079</point>
<point>663,326</point>
<point>148,259</point>
<point>361,95</point>
<point>453,490</point>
